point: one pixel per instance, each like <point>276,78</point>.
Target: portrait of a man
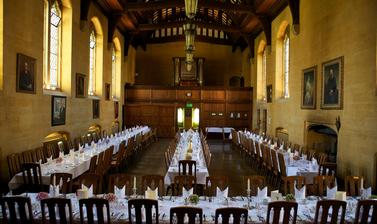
<point>309,88</point>
<point>25,74</point>
<point>80,85</point>
<point>58,110</point>
<point>96,109</point>
<point>332,79</point>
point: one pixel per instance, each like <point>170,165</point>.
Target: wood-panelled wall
<point>157,106</point>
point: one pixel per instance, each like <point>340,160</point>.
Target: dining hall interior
<point>188,111</point>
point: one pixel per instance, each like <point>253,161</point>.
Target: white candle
<point>54,180</point>
<point>134,182</point>
<point>362,183</point>
<point>248,184</point>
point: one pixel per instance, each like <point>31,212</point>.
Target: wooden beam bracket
<point>84,10</point>
<point>266,24</point>
<point>294,5</point>
<point>112,25</point>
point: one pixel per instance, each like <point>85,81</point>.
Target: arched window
<point>53,32</point>
<point>286,66</point>
<point>262,71</point>
<point>113,72</point>
<point>92,63</point>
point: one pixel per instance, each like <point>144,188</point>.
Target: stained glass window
<point>92,62</point>
<point>286,66</point>
<point>113,71</point>
<point>54,39</point>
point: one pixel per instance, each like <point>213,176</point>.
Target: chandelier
<point>190,7</point>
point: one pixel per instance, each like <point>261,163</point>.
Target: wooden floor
<point>226,160</point>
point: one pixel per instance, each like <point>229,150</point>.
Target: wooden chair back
<point>64,180</point>
<point>57,204</point>
<point>120,180</point>
<point>282,166</point>
<point>93,164</point>
<point>31,173</point>
<point>239,215</point>
<point>366,212</point>
<point>39,156</point>
<point>183,181</point>
<point>153,181</point>
<point>16,209</point>
<point>14,163</point>
<point>353,185</point>
<point>148,205</point>
<point>28,156</point>
<point>92,179</point>
<point>100,205</point>
<point>277,206</point>
<point>214,182</point>
<point>255,182</point>
<point>187,167</point>
<point>321,183</point>
<point>327,168</point>
<point>177,215</point>
<point>325,206</point>
<point>289,184</point>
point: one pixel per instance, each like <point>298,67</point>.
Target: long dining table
<point>257,208</point>
<point>78,162</point>
<point>180,153</point>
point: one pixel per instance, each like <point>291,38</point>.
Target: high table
<point>78,162</point>
<point>180,154</point>
<point>256,213</point>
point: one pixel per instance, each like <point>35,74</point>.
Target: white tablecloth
<point>180,154</point>
<point>79,163</point>
<point>257,213</point>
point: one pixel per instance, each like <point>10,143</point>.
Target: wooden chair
<point>322,158</point>
<point>153,181</point>
<point>32,176</point>
<point>92,179</point>
<point>255,182</point>
<point>363,211</point>
<point>106,162</point>
<point>120,180</point>
<point>213,182</point>
<point>290,181</point>
<point>116,161</point>
<point>277,206</point>
<point>283,168</point>
<point>325,206</point>
<point>93,164</point>
<point>100,205</point>
<point>66,181</point>
<point>177,215</point>
<point>148,205</point>
<point>62,204</point>
<point>14,163</point>
<point>239,215</point>
<point>185,181</point>
<point>275,167</point>
<point>187,167</point>
<point>39,156</point>
<point>353,185</point>
<point>321,182</point>
<point>327,169</point>
<point>11,206</point>
<point>28,156</point>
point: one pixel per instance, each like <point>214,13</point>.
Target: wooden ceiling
<point>232,22</point>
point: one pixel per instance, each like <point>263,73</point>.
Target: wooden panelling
<point>156,107</point>
<point>183,95</point>
<point>213,95</point>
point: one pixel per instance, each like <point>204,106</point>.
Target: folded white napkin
<point>120,192</point>
<point>187,193</point>
<point>331,192</point>
<point>289,150</point>
<point>54,190</point>
<point>262,194</point>
<point>366,193</point>
<point>296,153</point>
<point>89,190</point>
<point>300,193</point>
<point>151,194</point>
<point>276,196</point>
<point>314,161</point>
<point>222,194</point>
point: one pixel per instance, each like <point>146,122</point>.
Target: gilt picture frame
<point>26,74</point>
<point>81,86</point>
<point>332,84</point>
<point>58,110</point>
<point>309,88</point>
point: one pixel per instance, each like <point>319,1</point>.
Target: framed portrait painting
<point>116,109</point>
<point>58,110</point>
<point>26,72</point>
<point>309,88</point>
<point>96,109</point>
<point>332,84</point>
<point>269,93</point>
<point>80,85</point>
